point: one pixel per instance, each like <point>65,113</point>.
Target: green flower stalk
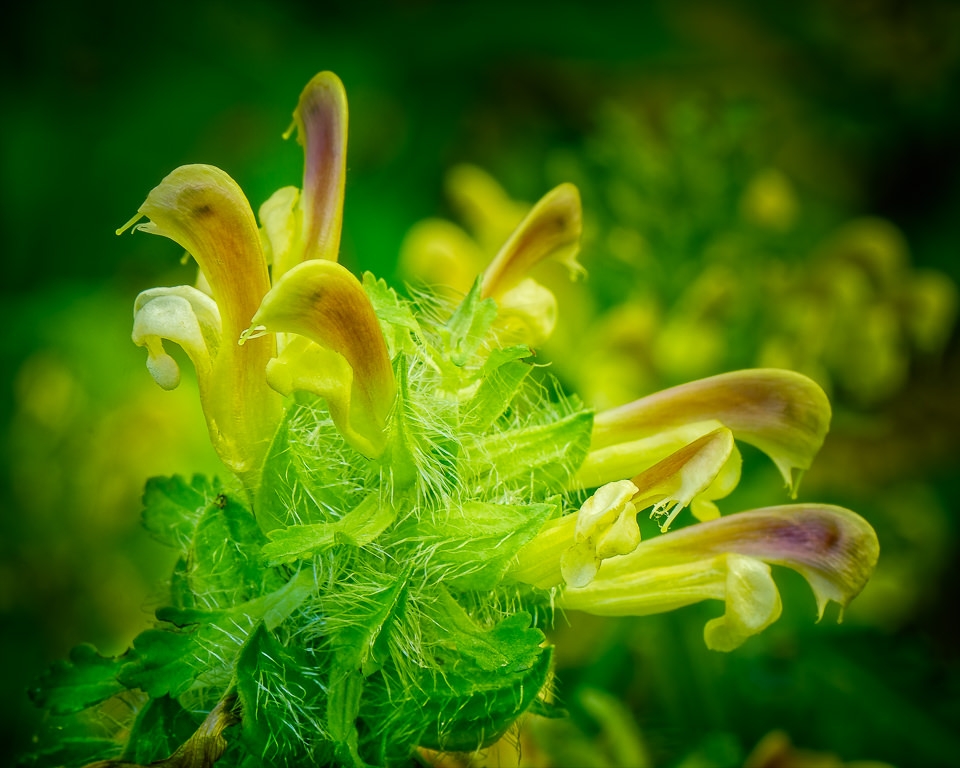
<point>416,500</point>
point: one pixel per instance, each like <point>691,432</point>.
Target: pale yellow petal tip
<point>752,604</point>
<point>184,316</point>
<point>606,526</point>
<point>164,369</point>
<point>706,467</point>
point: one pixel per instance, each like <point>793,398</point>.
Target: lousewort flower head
<point>415,500</point>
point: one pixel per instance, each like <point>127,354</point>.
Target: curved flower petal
<point>184,316</point>
<point>305,366</point>
<point>673,483</point>
<point>784,414</point>
<point>834,549</point>
<point>321,123</point>
<point>607,464</point>
<point>322,301</point>
<point>570,550</point>
<point>280,226</point>
<point>551,230</point>
<point>752,602</point>
<point>202,209</point>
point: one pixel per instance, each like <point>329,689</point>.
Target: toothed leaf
<point>172,507</point>
<point>71,686</point>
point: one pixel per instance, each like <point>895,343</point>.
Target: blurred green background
<point>665,114</point>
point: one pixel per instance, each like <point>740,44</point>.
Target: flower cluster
<point>414,499</point>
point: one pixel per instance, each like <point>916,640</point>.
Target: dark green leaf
<point>72,751</point>
<point>162,662</point>
<point>482,682</point>
<point>159,730</point>
<point>70,686</point>
<point>283,702</point>
<point>167,661</point>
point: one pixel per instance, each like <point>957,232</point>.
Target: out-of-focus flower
<point>775,750</point>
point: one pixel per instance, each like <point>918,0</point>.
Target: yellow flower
<point>598,562</point>
<point>443,257</point>
<point>340,353</point>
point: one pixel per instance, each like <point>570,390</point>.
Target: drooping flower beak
<point>550,231</point>
<point>202,209</point>
<point>339,354</point>
<point>784,414</point>
<point>443,256</point>
<point>834,549</point>
<point>301,225</point>
<point>725,559</point>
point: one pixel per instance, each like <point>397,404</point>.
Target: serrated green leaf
<point>468,326</point>
<point>362,643</point>
<point>539,458</point>
<point>87,678</point>
<point>226,555</point>
<point>162,662</point>
<point>474,543</point>
<point>502,375</point>
<point>511,645</point>
<point>172,507</point>
<point>283,702</point>
<point>470,712</point>
<point>220,566</point>
<point>482,682</point>
<point>168,661</point>
<point>296,488</point>
<point>358,528</point>
<point>397,322</point>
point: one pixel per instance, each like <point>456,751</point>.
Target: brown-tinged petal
<point>784,414</point>
<point>321,123</point>
<point>834,549</point>
<point>694,470</point>
<point>322,301</point>
<point>551,230</point>
<point>203,210</point>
